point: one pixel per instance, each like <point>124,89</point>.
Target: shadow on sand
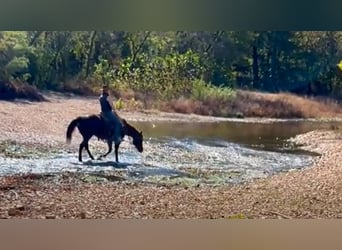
<point>136,170</point>
<point>120,165</point>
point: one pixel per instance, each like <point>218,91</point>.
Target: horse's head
<point>135,134</point>
<point>138,141</point>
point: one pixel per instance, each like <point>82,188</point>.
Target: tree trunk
<point>135,52</point>
<point>274,62</point>
<point>91,46</point>
<point>35,37</point>
<point>255,68</point>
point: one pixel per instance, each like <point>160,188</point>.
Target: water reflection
<point>269,136</point>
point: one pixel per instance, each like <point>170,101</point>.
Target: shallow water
<point>266,136</point>
<point>212,153</point>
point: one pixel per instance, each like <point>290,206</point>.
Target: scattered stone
<point>50,217</point>
<point>16,211</point>
<point>82,215</point>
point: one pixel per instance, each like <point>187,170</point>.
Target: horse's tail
<point>73,124</point>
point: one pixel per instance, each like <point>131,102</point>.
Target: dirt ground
<point>314,192</point>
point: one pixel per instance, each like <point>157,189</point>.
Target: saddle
<point>109,127</point>
<point>107,124</point>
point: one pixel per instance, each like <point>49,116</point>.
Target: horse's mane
<point>128,127</point>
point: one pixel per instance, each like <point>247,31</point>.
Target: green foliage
<point>130,104</point>
<point>167,76</point>
<point>14,53</point>
<point>203,91</point>
<point>103,71</point>
<point>119,104</point>
<point>17,64</point>
<point>168,65</point>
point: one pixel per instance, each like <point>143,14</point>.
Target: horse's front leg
<point>110,148</point>
<point>116,151</point>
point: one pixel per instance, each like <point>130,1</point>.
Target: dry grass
<point>256,104</point>
<point>284,105</point>
<point>184,106</point>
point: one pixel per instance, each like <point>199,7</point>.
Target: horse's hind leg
<point>87,148</point>
<point>84,144</point>
<point>80,151</point>
<point>110,148</point>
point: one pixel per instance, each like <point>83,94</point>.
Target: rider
<point>109,114</point>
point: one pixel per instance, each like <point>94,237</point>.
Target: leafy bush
<point>167,77</point>
<point>203,91</point>
<point>119,104</point>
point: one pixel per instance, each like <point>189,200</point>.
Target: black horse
<point>95,125</point>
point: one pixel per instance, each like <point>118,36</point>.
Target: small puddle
<point>184,153</point>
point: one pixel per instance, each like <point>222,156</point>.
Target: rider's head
<point>105,89</point>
